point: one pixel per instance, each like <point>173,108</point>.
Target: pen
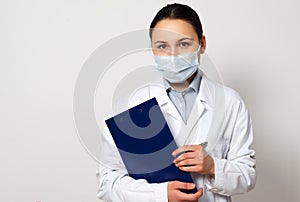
<point>204,144</point>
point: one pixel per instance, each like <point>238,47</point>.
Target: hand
<point>194,159</point>
<point>175,195</point>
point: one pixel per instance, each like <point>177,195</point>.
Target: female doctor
<point>177,43</point>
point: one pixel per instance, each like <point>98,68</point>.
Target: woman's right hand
<point>176,195</point>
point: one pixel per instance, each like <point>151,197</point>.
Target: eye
<point>162,46</point>
<point>184,44</point>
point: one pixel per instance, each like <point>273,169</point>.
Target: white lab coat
<point>232,152</point>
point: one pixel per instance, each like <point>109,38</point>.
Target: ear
<point>203,44</point>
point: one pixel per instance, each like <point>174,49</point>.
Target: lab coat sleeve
<point>235,174</point>
<point>114,183</point>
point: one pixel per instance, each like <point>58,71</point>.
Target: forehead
<point>173,29</point>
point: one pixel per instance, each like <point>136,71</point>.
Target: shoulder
<point>232,95</point>
<point>234,101</point>
<point>224,93</point>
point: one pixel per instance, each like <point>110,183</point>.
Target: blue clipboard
<point>145,144</point>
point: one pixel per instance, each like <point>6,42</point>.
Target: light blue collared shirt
<point>184,101</point>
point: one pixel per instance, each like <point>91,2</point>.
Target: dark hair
<point>178,11</point>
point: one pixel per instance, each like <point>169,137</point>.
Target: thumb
<point>199,193</point>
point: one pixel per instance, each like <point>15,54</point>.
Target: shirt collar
<point>195,84</point>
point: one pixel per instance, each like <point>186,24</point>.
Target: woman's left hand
<point>193,158</point>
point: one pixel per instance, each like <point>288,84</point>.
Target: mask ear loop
<point>198,56</point>
<point>198,48</point>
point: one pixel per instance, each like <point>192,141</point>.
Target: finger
<point>184,156</point>
<point>188,162</point>
<point>199,193</point>
<point>184,185</point>
<point>181,196</point>
<point>184,148</point>
<point>190,197</point>
<point>192,168</point>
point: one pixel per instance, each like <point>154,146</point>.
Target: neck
<point>181,86</point>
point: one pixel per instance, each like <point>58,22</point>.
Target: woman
<point>177,42</point>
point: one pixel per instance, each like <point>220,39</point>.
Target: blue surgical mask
<point>177,68</point>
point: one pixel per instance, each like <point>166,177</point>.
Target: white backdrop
<point>43,45</point>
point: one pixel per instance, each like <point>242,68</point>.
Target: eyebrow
<point>178,40</point>
<point>185,39</point>
<point>159,42</point>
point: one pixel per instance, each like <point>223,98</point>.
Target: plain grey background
<point>43,45</point>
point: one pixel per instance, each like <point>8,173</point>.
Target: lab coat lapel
<point>186,130</point>
<point>207,98</point>
<point>185,133</point>
<point>204,101</point>
<point>169,108</point>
